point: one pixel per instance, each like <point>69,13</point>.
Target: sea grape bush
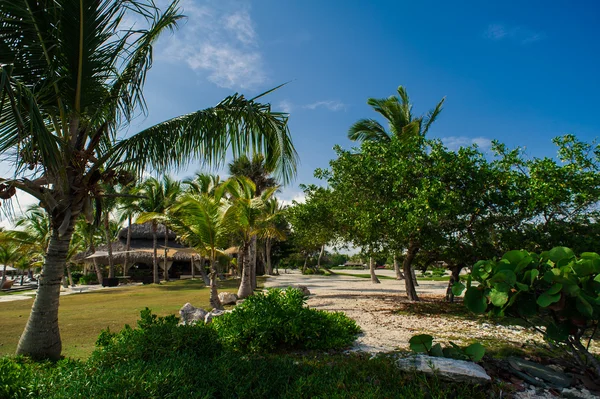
<point>423,343</point>
<point>555,292</point>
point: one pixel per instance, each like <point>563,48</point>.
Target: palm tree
<point>245,217</point>
<point>272,214</point>
<point>10,253</point>
<point>71,78</point>
<point>199,219</point>
<point>397,111</point>
<point>128,208</point>
<point>158,197</point>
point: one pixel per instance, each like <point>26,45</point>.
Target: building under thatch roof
<point>141,253</point>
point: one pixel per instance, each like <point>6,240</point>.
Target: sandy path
<point>373,307</point>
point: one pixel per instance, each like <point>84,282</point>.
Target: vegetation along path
<point>388,320</point>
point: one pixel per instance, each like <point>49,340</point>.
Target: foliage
<point>154,338</point>
<point>423,343</point>
<point>278,320</point>
<point>90,278</point>
<point>555,290</point>
<point>229,375</point>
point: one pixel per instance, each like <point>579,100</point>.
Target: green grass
<point>83,316</point>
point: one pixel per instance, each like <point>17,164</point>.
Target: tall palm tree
<point>71,78</point>
<point>10,253</point>
<point>199,219</point>
<point>245,217</point>
<point>272,214</point>
<point>397,111</point>
<point>202,183</point>
<point>127,208</point>
<point>158,197</point>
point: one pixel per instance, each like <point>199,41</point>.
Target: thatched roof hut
<point>141,248</point>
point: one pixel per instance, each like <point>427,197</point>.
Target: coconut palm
<point>127,207</point>
<point>199,220</point>
<point>71,78</point>
<point>10,253</point>
<point>272,214</point>
<point>157,199</point>
<point>397,111</point>
<point>202,183</point>
<point>246,217</point>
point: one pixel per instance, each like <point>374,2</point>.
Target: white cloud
<point>519,34</point>
<point>20,203</point>
<point>288,197</point>
<point>285,106</point>
<point>330,105</point>
<point>455,142</point>
<point>219,40</point>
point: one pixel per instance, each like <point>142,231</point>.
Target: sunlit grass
<point>83,316</point>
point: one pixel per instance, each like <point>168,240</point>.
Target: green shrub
<point>554,292</point>
<point>90,278</point>
<point>423,343</point>
<point>155,337</point>
<point>76,276</point>
<point>279,320</point>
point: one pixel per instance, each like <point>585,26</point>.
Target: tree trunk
<point>252,257</point>
<point>414,276</point>
<point>128,246</point>
<point>305,263</point>
<point>95,261</point>
<point>69,274</point>
<point>240,261</point>
<point>214,294</point>
<point>3,277</point>
<point>268,256</point>
<point>245,289</point>
<point>260,259</point>
<point>166,273</point>
<point>193,267</point>
<point>374,278</point>
<point>453,278</point>
<point>399,275</point>
<point>203,273</point>
<point>155,277</point>
<point>321,256</point>
<point>413,248</point>
<point>111,261</point>
<point>41,338</point>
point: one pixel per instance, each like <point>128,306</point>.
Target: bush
<point>554,292</point>
<point>278,320</point>
<point>90,278</point>
<point>76,276</point>
<point>155,337</point>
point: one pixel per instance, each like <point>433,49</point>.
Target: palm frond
<point>367,130</point>
<point>432,115</point>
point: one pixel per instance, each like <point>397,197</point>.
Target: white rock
<point>189,314</point>
<point>448,369</point>
<point>227,298</point>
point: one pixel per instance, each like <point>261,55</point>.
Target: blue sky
<point>520,72</point>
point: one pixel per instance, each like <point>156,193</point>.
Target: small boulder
<point>227,298</point>
<point>239,301</point>
<point>556,378</point>
<point>188,314</point>
<point>215,313</point>
<point>448,369</point>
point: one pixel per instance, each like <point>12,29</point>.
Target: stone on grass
<point>556,378</point>
<point>214,313</point>
<point>188,314</point>
<point>239,301</point>
<point>227,298</point>
<point>448,369</point>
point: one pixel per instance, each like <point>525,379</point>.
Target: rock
<point>215,313</point>
<point>302,288</point>
<point>227,298</point>
<point>448,369</point>
<point>239,301</point>
<point>189,314</point>
<point>555,378</point>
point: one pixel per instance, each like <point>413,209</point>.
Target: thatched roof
<point>144,232</point>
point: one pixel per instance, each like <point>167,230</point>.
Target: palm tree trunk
<point>240,261</point>
<point>95,261</point>
<point>166,274</point>
<point>193,267</point>
<point>214,294</point>
<point>3,276</point>
<point>111,262</point>
<point>253,261</point>
<point>41,338</point>
<point>128,246</point>
<point>69,274</point>
<point>413,248</point>
<point>155,277</point>
<point>374,278</point>
<point>268,256</point>
<point>203,273</point>
<point>245,289</point>
<point>399,275</point>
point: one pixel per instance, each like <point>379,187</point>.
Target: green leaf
<point>584,307</point>
<point>453,353</point>
<point>475,351</point>
<point>514,257</point>
<point>475,300</point>
<point>458,288</point>
<point>558,253</point>
<point>585,267</point>
<point>421,343</point>
<point>534,274</point>
<point>571,289</point>
<point>504,276</point>
<point>436,350</point>
<point>590,255</point>
<point>555,289</point>
<point>522,287</point>
<point>498,298</point>
<point>502,287</point>
<point>597,279</point>
<point>546,299</point>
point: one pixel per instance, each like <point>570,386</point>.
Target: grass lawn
<point>83,316</point>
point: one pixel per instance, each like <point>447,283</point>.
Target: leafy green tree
<point>71,77</point>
